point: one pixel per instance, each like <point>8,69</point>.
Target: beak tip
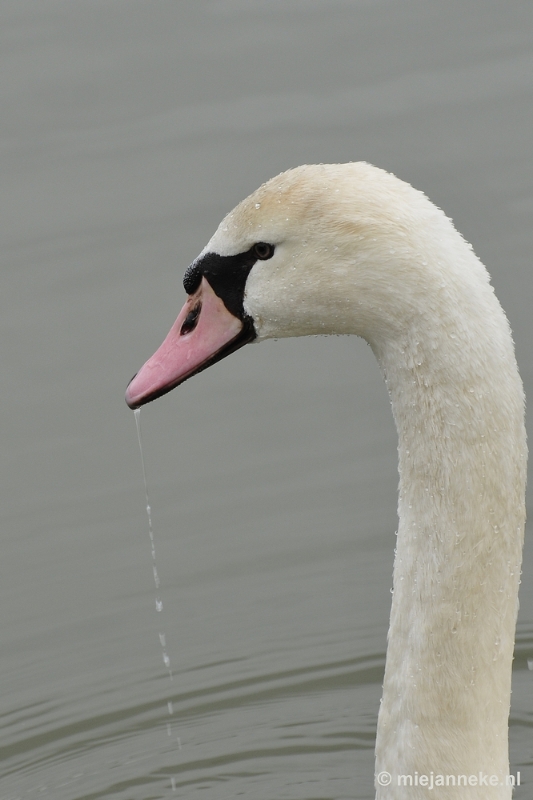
<point>130,400</point>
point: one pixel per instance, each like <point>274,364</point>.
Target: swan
<point>351,249</point>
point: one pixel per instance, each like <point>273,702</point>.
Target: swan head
<point>320,249</point>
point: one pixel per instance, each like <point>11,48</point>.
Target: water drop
<point>158,601</point>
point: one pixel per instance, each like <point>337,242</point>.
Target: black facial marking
<point>192,278</point>
<point>227,275</point>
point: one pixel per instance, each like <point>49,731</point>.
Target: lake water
<point>128,130</point>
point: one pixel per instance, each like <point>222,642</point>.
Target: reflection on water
<point>248,725</point>
<point>128,131</point>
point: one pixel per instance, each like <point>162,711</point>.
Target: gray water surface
<point>128,130</point>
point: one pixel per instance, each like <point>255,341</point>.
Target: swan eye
<point>191,320</point>
<point>263,251</point>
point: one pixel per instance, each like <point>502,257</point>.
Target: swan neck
<point>458,406</point>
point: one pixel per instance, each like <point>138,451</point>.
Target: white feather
<point>359,251</point>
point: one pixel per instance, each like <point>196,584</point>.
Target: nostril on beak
<point>191,320</point>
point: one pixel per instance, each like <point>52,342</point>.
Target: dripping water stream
<point>157,582</point>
